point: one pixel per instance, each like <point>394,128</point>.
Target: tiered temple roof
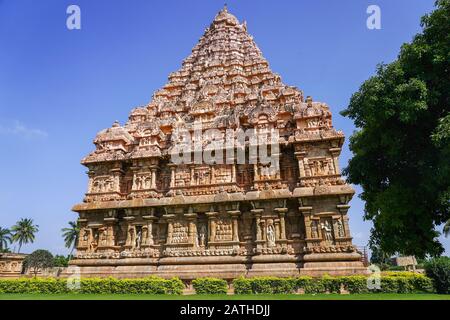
<point>225,83</point>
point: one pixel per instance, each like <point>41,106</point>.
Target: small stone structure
<point>145,215</point>
<point>408,262</point>
<point>11,265</point>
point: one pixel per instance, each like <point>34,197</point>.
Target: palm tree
<point>5,238</point>
<point>71,235</point>
<point>447,228</point>
<point>24,231</point>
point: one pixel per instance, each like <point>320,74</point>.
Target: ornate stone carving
<point>202,235</point>
<point>180,232</point>
<point>340,228</point>
<point>314,229</point>
<point>327,230</point>
<point>224,230</point>
<point>270,235</point>
<point>102,185</point>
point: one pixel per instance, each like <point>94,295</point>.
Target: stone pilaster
<point>169,218</point>
<point>282,214</point>
<point>212,218</point>
<point>307,215</point>
<point>335,155</point>
<point>153,185</point>
<point>235,214</point>
<point>172,176</point>
<point>192,227</point>
<point>301,164</point>
<point>150,219</point>
<point>131,232</point>
<point>109,225</point>
<point>117,173</point>
<point>276,223</point>
<point>264,231</point>
<point>343,209</point>
<point>257,214</point>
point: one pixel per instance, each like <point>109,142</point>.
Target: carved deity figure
<point>85,235</point>
<point>145,235</point>
<point>142,182</point>
<point>103,235</point>
<point>131,237</point>
<point>94,243</point>
<point>314,229</point>
<point>102,184</point>
<point>147,183</point>
<point>202,235</point>
<point>120,231</point>
<point>328,230</point>
<point>138,183</point>
<point>270,235</point>
<point>138,239</point>
<point>320,168</point>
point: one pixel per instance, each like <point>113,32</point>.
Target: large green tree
<point>402,145</point>
<point>61,261</point>
<point>37,261</point>
<point>70,235</point>
<point>24,231</point>
<point>5,238</point>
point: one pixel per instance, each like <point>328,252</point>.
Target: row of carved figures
<point>182,176</point>
<point>199,234</point>
<point>327,229</point>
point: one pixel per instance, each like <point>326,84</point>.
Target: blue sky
<point>58,87</point>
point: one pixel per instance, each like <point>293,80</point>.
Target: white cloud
<point>21,130</point>
<point>358,235</point>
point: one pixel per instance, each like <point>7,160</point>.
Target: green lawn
<point>372,296</point>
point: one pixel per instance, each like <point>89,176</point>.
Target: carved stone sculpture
<point>270,236</point>
<point>314,229</point>
<point>138,239</point>
<point>328,230</point>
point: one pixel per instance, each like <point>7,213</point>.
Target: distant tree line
<point>22,232</point>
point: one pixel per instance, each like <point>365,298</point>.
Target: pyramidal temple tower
<point>146,214</point>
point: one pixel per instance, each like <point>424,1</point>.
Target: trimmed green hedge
<point>210,286</point>
<point>438,269</point>
<point>398,283</point>
<point>150,285</point>
<point>391,282</point>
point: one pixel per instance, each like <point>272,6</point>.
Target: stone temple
<point>146,215</point>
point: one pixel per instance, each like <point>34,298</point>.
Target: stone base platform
<point>189,268</point>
